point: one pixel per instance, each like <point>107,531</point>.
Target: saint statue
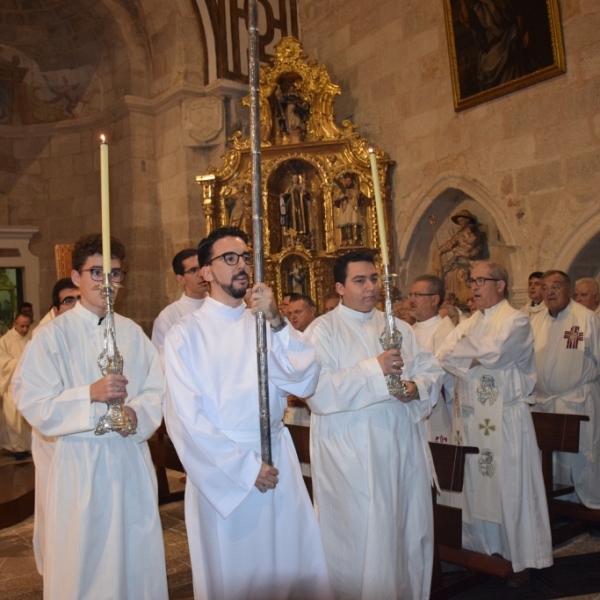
<point>294,207</point>
<point>350,201</point>
<point>297,279</point>
<point>452,260</point>
<point>239,204</point>
<point>293,112</point>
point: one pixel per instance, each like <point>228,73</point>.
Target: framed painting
<point>499,46</point>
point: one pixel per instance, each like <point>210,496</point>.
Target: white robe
<point>370,460</point>
<point>430,334</point>
<point>243,544</point>
<point>15,432</point>
<point>531,310</point>
<point>103,531</point>
<point>577,393</point>
<point>170,315</point>
<point>500,339</point>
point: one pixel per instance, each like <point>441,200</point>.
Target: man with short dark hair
<point>64,296</point>
<point>491,356</point>
<point>534,290</point>
<point>425,298</point>
<point>251,528</point>
<point>189,275</point>
<point>370,467</point>
<point>103,529</point>
<point>567,357</point>
<point>285,302</point>
<point>301,311</point>
<point>587,293</point>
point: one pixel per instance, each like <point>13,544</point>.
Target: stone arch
<point>578,254</point>
<point>446,196</point>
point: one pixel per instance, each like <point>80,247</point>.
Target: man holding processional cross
<point>251,527</point>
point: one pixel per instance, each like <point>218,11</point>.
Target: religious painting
<point>499,46</point>
<point>295,275</point>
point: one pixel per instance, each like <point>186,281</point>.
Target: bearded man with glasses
<point>251,527</point>
<point>491,356</point>
<point>103,535</point>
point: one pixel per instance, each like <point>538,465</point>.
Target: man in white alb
<point>491,356</point>
<point>103,536</point>
<point>534,291</point>
<point>567,357</point>
<point>188,274</point>
<point>587,293</point>
<point>369,452</point>
<point>426,296</point>
<point>251,528</point>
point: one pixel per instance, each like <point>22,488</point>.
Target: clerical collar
<point>363,317</point>
<point>215,307</point>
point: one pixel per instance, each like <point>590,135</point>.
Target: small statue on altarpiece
<point>294,208</point>
<point>293,112</point>
<point>297,279</point>
<point>349,218</point>
<point>239,205</point>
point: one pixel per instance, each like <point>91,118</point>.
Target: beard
<point>231,290</point>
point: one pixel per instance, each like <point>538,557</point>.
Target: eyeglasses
<point>96,273</point>
<point>479,281</point>
<point>232,258</point>
<point>68,300</point>
<point>418,295</point>
<point>192,271</point>
<point>555,287</point>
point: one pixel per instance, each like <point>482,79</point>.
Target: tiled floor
<point>19,579</point>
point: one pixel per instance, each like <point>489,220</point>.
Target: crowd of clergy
<point>471,377</point>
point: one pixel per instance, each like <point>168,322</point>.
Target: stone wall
<point>529,159</point>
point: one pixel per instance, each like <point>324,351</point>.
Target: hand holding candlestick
<point>391,336</point>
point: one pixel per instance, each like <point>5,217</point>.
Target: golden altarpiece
<point>317,188</point>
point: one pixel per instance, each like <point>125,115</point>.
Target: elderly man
<point>251,528</point>
<point>188,274</point>
<point>426,296</point>
<point>534,290</point>
<point>587,293</point>
<point>491,355</point>
<point>371,476</point>
<point>567,356</point>
<point>15,433</point>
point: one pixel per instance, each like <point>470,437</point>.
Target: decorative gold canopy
<point>317,189</point>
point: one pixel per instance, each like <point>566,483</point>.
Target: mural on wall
<point>46,97</point>
<point>498,46</point>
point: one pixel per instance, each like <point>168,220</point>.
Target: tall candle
<point>385,259</point>
<point>105,205</point>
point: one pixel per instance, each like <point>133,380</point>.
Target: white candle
<point>105,205</point>
<point>385,259</point>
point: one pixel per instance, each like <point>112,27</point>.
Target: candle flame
<point>103,138</point>
<point>370,149</point>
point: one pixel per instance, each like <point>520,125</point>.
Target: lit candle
<point>105,205</point>
<point>385,259</point>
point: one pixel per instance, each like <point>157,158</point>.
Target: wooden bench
<point>164,456</point>
<point>560,433</point>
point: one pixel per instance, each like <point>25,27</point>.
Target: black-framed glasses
<point>233,258</point>
<point>117,275</point>
<point>192,271</point>
<point>479,281</point>
<point>69,300</point>
<point>418,295</point>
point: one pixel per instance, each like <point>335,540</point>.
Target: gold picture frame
<point>499,46</point>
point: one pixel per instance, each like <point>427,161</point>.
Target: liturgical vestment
<point>370,460</point>
<point>243,543</point>
<point>500,339</point>
<point>103,531</point>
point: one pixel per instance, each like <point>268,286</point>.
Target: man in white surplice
<point>369,452</point>
<point>491,355</point>
<point>188,274</point>
<point>426,296</point>
<point>103,536</point>
<point>567,357</point>
<point>251,528</point>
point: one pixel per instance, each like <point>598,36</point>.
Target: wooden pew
<point>449,462</point>
<point>560,433</point>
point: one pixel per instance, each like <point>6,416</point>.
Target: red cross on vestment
<point>573,337</point>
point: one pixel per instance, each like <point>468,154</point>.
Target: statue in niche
<point>292,113</point>
<point>239,206</point>
<point>453,259</point>
<point>294,210</point>
<point>350,203</point>
<point>297,279</point>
